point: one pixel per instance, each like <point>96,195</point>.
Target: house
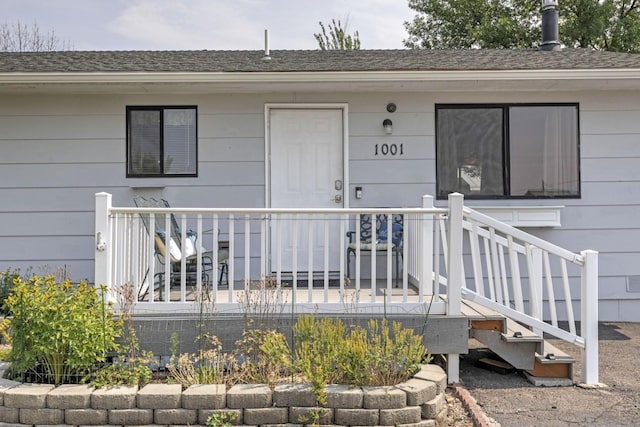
<point>546,141</point>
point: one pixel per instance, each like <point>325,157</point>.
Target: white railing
<point>301,252</point>
<point>532,281</point>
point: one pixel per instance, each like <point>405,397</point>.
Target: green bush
<point>131,373</point>
<point>62,329</point>
<point>395,353</point>
<point>7,279</point>
<point>316,347</point>
<point>221,419</point>
<point>265,356</point>
<point>131,366</point>
<point>207,366</point>
<point>327,353</point>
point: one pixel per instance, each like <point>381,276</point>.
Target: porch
<point>445,256</point>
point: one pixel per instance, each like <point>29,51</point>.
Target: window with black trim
<point>162,141</point>
<point>508,150</point>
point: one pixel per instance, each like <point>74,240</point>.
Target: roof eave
<point>315,76</point>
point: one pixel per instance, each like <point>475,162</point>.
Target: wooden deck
<point>318,291</point>
<point>442,334</point>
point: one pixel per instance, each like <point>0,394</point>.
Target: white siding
<point>57,151</point>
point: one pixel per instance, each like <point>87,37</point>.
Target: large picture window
<point>499,151</point>
<point>162,141</point>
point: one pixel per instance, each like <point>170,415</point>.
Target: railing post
<point>426,243</point>
<point>454,272</point>
<point>534,264</point>
<point>103,252</point>
<point>589,317</point>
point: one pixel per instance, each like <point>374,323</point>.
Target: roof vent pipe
<point>266,56</point>
<point>550,26</point>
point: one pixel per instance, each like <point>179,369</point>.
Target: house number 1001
<point>389,149</point>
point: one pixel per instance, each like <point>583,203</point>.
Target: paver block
<point>548,381</point>
<point>205,396</point>
<point>175,416</point>
<point>9,415</point>
<point>203,414</point>
<point>311,415</point>
<point>122,397</point>
<point>80,417</point>
<point>423,423</point>
<point>431,410</point>
<point>433,373</point>
<point>383,398</point>
<point>70,396</point>
<point>406,415</point>
<point>357,417</point>
<point>27,396</point>
<point>343,397</point>
<point>131,417</point>
<point>249,396</point>
<point>160,396</point>
<point>418,391</point>
<point>261,416</point>
<point>4,388</point>
<point>294,394</point>
<point>42,416</point>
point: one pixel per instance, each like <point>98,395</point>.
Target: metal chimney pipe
<point>550,37</point>
<point>267,54</point>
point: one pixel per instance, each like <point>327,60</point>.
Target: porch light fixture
<point>387,125</point>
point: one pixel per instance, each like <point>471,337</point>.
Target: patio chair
<point>176,252</point>
<point>382,242</point>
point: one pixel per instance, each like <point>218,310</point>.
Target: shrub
<point>121,372</point>
<point>208,366</point>
<point>265,356</point>
<point>326,353</point>
<point>221,419</point>
<point>316,346</point>
<point>131,367</point>
<point>5,327</point>
<point>395,353</point>
<point>61,328</point>
<point>7,279</point>
<point>5,339</point>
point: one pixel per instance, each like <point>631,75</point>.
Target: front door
<point>306,171</point>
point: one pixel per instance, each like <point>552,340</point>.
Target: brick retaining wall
<point>417,402</point>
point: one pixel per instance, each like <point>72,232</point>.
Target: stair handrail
<point>536,252</point>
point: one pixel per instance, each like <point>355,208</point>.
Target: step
<point>512,342</point>
<point>518,333</point>
<point>483,318</point>
<point>554,363</point>
<point>542,362</point>
<point>518,352</point>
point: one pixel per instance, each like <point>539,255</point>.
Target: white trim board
<point>524,216</point>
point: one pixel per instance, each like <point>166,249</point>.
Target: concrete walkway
<point>513,402</point>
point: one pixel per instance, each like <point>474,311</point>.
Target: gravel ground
<point>512,401</point>
<point>457,414</point>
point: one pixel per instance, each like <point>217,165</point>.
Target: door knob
<point>338,198</point>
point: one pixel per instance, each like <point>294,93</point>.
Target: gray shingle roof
<point>313,60</point>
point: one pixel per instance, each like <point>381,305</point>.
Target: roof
<point>203,61</point>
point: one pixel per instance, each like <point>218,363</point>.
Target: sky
<point>208,24</point>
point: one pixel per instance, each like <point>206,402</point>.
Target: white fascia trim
<point>317,77</point>
<point>524,216</point>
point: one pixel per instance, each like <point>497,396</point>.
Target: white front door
<point>306,171</point>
